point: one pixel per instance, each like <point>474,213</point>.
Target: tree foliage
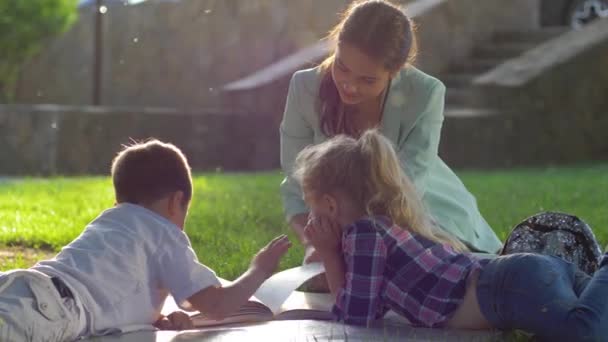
<point>25,26</point>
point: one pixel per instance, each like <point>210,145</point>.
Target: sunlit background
<point>525,125</point>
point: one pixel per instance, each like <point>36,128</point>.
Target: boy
<point>116,275</point>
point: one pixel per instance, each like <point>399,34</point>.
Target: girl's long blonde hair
<point>368,171</point>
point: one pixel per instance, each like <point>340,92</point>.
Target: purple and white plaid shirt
<point>388,267</point>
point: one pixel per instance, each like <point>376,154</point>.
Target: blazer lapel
<point>395,123</point>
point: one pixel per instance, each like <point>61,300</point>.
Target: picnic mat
<point>306,330</point>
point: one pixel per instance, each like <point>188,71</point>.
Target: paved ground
<point>314,331</point>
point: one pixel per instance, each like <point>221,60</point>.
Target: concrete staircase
<point>460,95</point>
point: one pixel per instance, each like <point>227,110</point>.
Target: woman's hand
<point>324,234</point>
<point>177,320</point>
<point>298,223</point>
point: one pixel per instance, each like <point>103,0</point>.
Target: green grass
<point>233,215</point>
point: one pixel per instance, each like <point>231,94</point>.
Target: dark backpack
<point>557,234</point>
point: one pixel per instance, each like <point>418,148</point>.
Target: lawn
<point>233,215</point>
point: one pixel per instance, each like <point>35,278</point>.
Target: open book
<point>276,299</point>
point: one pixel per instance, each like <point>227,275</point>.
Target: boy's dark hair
<point>147,171</point>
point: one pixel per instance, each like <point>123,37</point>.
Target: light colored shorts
<point>31,309</point>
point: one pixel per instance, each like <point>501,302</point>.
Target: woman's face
<point>358,77</point>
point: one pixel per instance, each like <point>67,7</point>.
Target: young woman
<point>382,252</point>
<point>369,82</point>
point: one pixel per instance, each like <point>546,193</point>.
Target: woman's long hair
<point>367,171</point>
<point>379,29</point>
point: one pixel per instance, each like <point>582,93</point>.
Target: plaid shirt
<point>391,268</point>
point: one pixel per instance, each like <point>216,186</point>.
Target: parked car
<point>573,13</point>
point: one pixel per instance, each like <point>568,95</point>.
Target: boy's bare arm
<point>218,302</point>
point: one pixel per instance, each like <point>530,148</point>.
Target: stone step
<point>454,112</point>
<point>476,65</point>
<point>502,50</point>
<point>535,36</point>
<point>459,96</point>
<point>454,79</point>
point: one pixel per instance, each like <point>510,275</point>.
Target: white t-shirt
<point>124,264</point>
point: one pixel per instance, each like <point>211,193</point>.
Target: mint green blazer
<point>412,120</point>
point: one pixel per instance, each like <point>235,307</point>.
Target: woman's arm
<point>420,147</point>
<point>297,223</point>
<point>296,133</point>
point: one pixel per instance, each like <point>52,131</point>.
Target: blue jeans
<point>546,296</point>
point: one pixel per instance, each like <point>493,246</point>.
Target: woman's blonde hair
<point>368,171</point>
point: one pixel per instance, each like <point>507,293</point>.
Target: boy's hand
<point>177,320</point>
<point>267,259</point>
<point>324,234</point>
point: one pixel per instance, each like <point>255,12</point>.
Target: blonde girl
<point>381,251</point>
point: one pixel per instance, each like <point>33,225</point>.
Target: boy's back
<point>116,275</point>
<point>120,263</point>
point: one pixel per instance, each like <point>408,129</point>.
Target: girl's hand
<point>324,234</point>
<point>177,320</point>
<point>311,255</point>
<point>267,259</point>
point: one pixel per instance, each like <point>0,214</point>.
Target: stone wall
<point>555,101</point>
<point>178,54</point>
<point>173,54</point>
<point>45,139</point>
<point>554,96</point>
<point>449,30</point>
<point>163,55</point>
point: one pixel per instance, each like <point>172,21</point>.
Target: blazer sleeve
<point>418,149</point>
<point>296,133</point>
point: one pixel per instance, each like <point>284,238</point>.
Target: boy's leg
<point>538,294</point>
<point>32,310</point>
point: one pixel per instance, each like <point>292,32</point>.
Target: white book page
<point>272,293</point>
<point>276,289</point>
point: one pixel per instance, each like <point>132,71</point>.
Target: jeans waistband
<point>487,293</point>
